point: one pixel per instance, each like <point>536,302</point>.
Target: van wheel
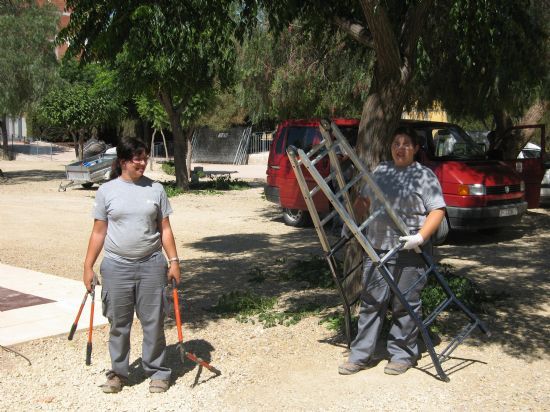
<point>87,185</point>
<point>296,217</point>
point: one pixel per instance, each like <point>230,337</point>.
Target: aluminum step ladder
<point>337,190</point>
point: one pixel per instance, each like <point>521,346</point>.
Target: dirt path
<point>222,239</point>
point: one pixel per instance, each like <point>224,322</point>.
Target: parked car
<point>533,151</point>
<point>480,193</point>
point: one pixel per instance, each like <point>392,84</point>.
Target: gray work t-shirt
<point>133,212</point>
<point>412,192</point>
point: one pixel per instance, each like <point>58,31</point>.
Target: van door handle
<point>275,167</point>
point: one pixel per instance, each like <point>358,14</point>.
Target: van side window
<point>295,137</point>
<point>312,137</point>
<point>281,141</point>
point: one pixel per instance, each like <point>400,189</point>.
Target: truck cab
<point>480,193</point>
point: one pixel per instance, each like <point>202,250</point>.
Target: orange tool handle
<point>75,323</point>
<point>177,310</point>
<point>89,344</point>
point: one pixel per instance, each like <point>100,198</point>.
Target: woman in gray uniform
<point>414,192</point>
<point>131,223</point>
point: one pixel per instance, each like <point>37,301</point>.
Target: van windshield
<point>451,142</point>
<point>305,137</point>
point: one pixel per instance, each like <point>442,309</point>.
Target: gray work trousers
<point>136,286</point>
<point>406,267</point>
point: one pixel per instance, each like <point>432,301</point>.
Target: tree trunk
<point>75,141</point>
<point>190,132</point>
<point>180,140</point>
<point>81,145</point>
<point>395,56</point>
<point>151,150</point>
<point>381,115</point>
<point>511,143</point>
<point>5,148</point>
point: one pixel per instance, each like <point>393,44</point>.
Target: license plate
<point>508,212</point>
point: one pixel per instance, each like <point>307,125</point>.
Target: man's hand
<point>412,241</point>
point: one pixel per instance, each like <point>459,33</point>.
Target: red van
<point>479,193</point>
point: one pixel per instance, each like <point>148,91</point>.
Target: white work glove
<point>412,242</point>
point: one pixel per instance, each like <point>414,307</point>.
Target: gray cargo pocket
<point>105,304</point>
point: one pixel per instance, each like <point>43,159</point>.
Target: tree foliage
<point>176,51</point>
<point>298,73</point>
<point>489,56</point>
<point>27,57</point>
<point>88,96</point>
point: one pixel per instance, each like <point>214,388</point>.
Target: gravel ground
<point>222,238</point>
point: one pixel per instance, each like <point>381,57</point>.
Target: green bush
<point>244,303</point>
<point>314,270</point>
<point>465,290</point>
<point>249,307</point>
<point>169,168</point>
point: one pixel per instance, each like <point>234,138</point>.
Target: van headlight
<point>472,190</point>
<point>522,186</point>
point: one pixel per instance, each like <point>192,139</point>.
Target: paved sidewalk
<point>35,305</point>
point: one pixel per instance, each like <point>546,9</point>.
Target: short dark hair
<point>127,149</point>
<point>409,131</point>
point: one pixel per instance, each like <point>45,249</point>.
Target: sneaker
<point>158,386</point>
<point>349,368</point>
<point>114,383</point>
<point>396,368</point>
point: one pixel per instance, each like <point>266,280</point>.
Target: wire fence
<point>260,142</point>
<point>34,147</point>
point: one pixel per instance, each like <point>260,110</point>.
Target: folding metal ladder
<point>332,145</point>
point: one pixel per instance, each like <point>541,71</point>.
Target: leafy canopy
<point>27,58</point>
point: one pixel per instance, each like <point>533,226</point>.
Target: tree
<point>88,97</point>
<point>298,73</point>
<point>413,37</point>
<point>496,55</point>
<point>151,110</point>
<point>396,31</point>
<point>176,51</point>
<point>27,57</point>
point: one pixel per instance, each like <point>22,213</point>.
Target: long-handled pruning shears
<point>183,353</point>
<point>75,323</point>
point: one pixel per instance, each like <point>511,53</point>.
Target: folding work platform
<point>333,145</point>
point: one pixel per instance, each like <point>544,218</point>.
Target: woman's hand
<point>88,278</point>
<point>174,272</point>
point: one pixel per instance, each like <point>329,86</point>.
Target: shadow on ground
<point>33,175</point>
<point>511,264</point>
<point>180,367</point>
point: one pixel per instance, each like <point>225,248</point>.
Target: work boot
<point>114,383</point>
<point>396,368</point>
<point>158,385</point>
<point>349,368</point>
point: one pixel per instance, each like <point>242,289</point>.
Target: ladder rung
<point>352,270</point>
<point>424,276</point>
<point>318,158</point>
<point>348,186</point>
<point>458,339</point>
<point>326,179</point>
<point>315,148</point>
<point>437,311</point>
<point>339,244</point>
<point>390,254</point>
<point>328,217</point>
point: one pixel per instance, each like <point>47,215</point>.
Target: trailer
<point>95,169</point>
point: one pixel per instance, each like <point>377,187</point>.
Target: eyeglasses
<point>140,161</point>
<point>407,146</point>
